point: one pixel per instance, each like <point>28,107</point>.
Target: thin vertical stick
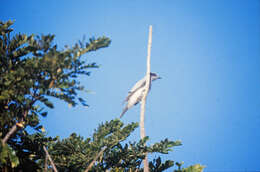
<point>49,157</point>
<point>147,87</point>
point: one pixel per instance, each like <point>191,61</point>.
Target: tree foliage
<point>76,154</point>
<point>33,69</point>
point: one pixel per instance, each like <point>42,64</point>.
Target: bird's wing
<point>138,85</point>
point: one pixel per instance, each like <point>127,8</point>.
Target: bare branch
<point>147,87</point>
<point>20,123</point>
<point>14,128</point>
<point>49,157</point>
<point>95,159</point>
<point>8,135</point>
<point>46,164</point>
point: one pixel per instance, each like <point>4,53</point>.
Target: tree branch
<point>49,157</point>
<point>8,135</point>
<point>147,87</point>
<point>46,164</point>
<point>95,159</point>
<point>14,127</point>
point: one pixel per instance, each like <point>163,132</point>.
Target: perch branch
<point>147,87</point>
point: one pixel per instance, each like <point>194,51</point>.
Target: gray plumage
<point>135,95</point>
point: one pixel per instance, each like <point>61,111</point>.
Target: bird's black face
<point>154,76</point>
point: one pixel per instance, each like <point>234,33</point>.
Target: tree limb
<point>8,135</point>
<point>46,164</point>
<point>49,157</point>
<point>14,127</point>
<point>95,159</point>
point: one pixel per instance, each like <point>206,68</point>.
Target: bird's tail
<point>124,111</point>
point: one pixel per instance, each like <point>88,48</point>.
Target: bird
<point>135,95</point>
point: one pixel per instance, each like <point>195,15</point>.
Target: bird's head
<point>154,76</point>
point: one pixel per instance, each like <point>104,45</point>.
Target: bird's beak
<point>159,77</point>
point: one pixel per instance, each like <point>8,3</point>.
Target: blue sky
<point>207,52</point>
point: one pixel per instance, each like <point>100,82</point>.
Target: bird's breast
<point>135,98</point>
